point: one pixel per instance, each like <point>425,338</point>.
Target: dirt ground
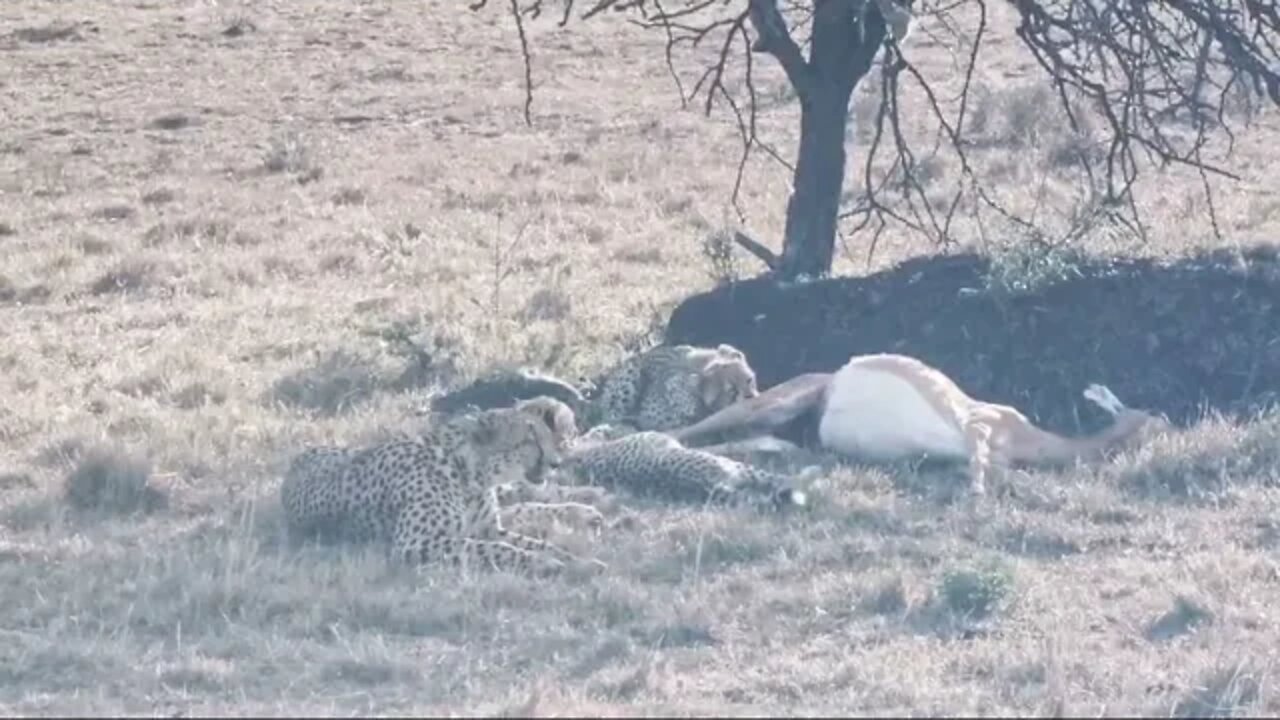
<point>230,230</point>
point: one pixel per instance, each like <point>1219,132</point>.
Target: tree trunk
<point>814,205</point>
<point>845,40</point>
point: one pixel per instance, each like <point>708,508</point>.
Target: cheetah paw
<point>548,566</point>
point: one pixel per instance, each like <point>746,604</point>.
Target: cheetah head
<point>531,437</point>
<point>726,380</point>
<point>555,416</point>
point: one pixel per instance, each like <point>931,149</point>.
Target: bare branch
<point>665,22</point>
<point>774,38</point>
<point>766,256</point>
<point>528,61</point>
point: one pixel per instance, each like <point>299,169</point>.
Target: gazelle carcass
<point>888,406</point>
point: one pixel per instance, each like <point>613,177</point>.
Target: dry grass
<point>215,224</point>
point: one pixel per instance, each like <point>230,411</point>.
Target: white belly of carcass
<point>878,415</point>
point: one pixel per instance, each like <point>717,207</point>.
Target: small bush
<point>717,250</point>
<point>1024,268</point>
<point>976,593</point>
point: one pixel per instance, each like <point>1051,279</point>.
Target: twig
<point>766,256</point>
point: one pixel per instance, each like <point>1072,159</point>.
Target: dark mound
<point>1176,337</point>
<point>504,389</point>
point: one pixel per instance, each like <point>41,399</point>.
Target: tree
<point>1136,65</point>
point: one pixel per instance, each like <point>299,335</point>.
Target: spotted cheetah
<point>435,497</point>
<point>653,464</point>
<point>524,507</point>
<point>669,386</point>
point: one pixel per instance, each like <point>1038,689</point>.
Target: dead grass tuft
<point>174,121</point>
<point>130,275</point>
<point>198,232</point>
<point>112,481</point>
<point>350,196</point>
<point>159,196</point>
<point>13,481</point>
<point>62,452</point>
<point>1186,615</point>
<point>289,153</point>
<point>239,26</point>
<point>1225,692</point>
<point>92,245</point>
<point>1027,112</point>
<point>547,304</point>
<point>1211,460</point>
<point>336,384</point>
<point>114,213</point>
<point>197,395</point>
<point>48,34</point>
<point>889,597</point>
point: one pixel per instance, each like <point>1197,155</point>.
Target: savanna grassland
<point>228,231</point>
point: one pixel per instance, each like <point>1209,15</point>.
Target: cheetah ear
<point>565,422</point>
<point>726,350</point>
<point>560,419</point>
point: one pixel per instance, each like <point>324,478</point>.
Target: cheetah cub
<point>652,464</point>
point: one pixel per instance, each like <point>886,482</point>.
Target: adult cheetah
<point>435,497</point>
<point>670,386</point>
<point>653,464</point>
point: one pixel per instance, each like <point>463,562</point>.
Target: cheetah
<point>663,388</point>
<point>524,507</point>
<point>653,464</point>
<point>670,386</point>
<point>435,498</point>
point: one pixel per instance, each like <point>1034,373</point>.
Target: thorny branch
<point>1158,75</point>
